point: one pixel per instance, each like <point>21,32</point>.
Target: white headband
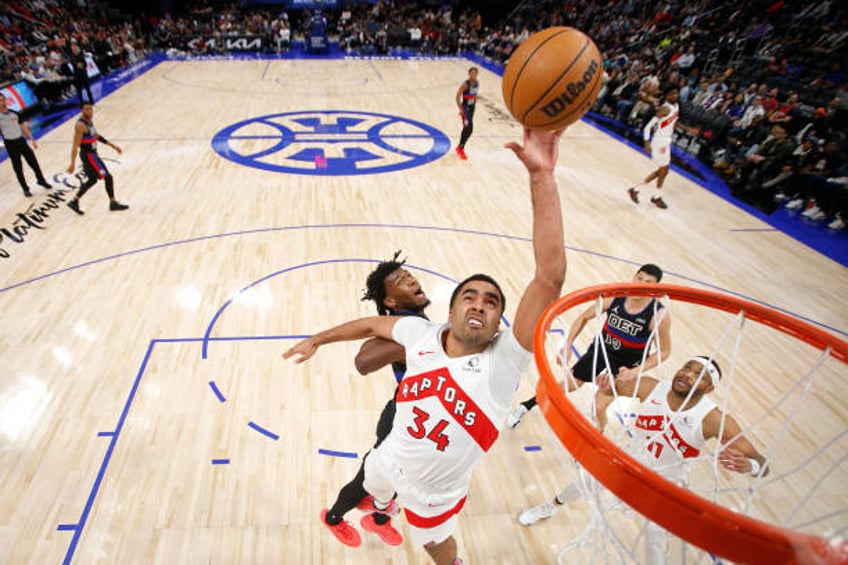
<point>710,367</point>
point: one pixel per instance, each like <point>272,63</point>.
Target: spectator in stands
<point>702,92</point>
<point>770,101</point>
<point>648,99</point>
<point>734,105</point>
<point>750,93</point>
<point>828,198</point>
<point>752,111</point>
<point>801,163</point>
<point>714,99</point>
<point>625,96</point>
<point>762,165</point>
<point>785,111</point>
<point>836,115</point>
<point>812,189</point>
<point>685,90</point>
<point>414,36</point>
<point>82,82</point>
<point>685,61</point>
<point>816,125</point>
<point>839,193</point>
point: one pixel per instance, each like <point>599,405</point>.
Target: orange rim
<point>705,524</point>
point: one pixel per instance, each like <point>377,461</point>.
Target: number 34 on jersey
<point>441,409</point>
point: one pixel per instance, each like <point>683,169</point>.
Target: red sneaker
<point>344,531</point>
<point>367,505</point>
<point>386,531</point>
<point>659,202</point>
<point>461,152</point>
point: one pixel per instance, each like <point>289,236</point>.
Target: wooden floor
<point>139,349</point>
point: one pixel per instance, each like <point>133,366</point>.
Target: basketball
<point>553,78</point>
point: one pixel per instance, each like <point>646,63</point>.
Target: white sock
<point>568,494</point>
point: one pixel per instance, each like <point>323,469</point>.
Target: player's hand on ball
<point>540,149</point>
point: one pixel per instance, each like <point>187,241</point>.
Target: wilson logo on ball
<point>572,91</point>
<point>552,78</point>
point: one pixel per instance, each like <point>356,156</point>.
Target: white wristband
<point>755,467</point>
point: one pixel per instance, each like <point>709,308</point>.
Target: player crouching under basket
<point>674,421</point>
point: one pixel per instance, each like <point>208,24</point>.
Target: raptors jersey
<point>626,335</point>
<point>449,410</point>
<point>663,439</point>
<point>662,128</point>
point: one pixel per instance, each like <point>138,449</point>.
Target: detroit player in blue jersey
<point>395,292</point>
<point>626,334</point>
<point>466,100</point>
<point>85,141</point>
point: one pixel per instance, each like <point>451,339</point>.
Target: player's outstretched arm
<point>374,326</point>
<point>376,353</point>
<point>738,454</point>
<point>564,356</point>
<point>539,155</point>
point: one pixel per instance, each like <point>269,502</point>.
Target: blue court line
<point>115,435</point>
<point>592,253</point>
<point>832,244</point>
<point>106,458</point>
<point>205,349</point>
<point>220,461</point>
<point>331,453</point>
<point>217,392</point>
<point>231,338</point>
<point>532,448</point>
<point>263,431</point>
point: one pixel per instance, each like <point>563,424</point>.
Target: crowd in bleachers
<point>762,85</point>
<point>40,38</point>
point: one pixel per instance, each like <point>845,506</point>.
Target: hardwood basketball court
<point>145,413</point>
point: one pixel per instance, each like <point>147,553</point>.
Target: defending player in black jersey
<point>395,292</point>
<point>85,142</point>
<point>626,334</point>
<point>466,100</point>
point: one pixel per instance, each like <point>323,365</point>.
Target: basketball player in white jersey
<point>460,376</point>
<point>657,135</point>
<point>675,420</point>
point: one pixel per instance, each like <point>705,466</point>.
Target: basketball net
<point>783,382</point>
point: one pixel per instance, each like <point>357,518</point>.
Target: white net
<point>786,395</point>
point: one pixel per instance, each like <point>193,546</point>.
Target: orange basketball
<point>552,78</point>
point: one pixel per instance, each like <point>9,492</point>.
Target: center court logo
<point>330,142</point>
